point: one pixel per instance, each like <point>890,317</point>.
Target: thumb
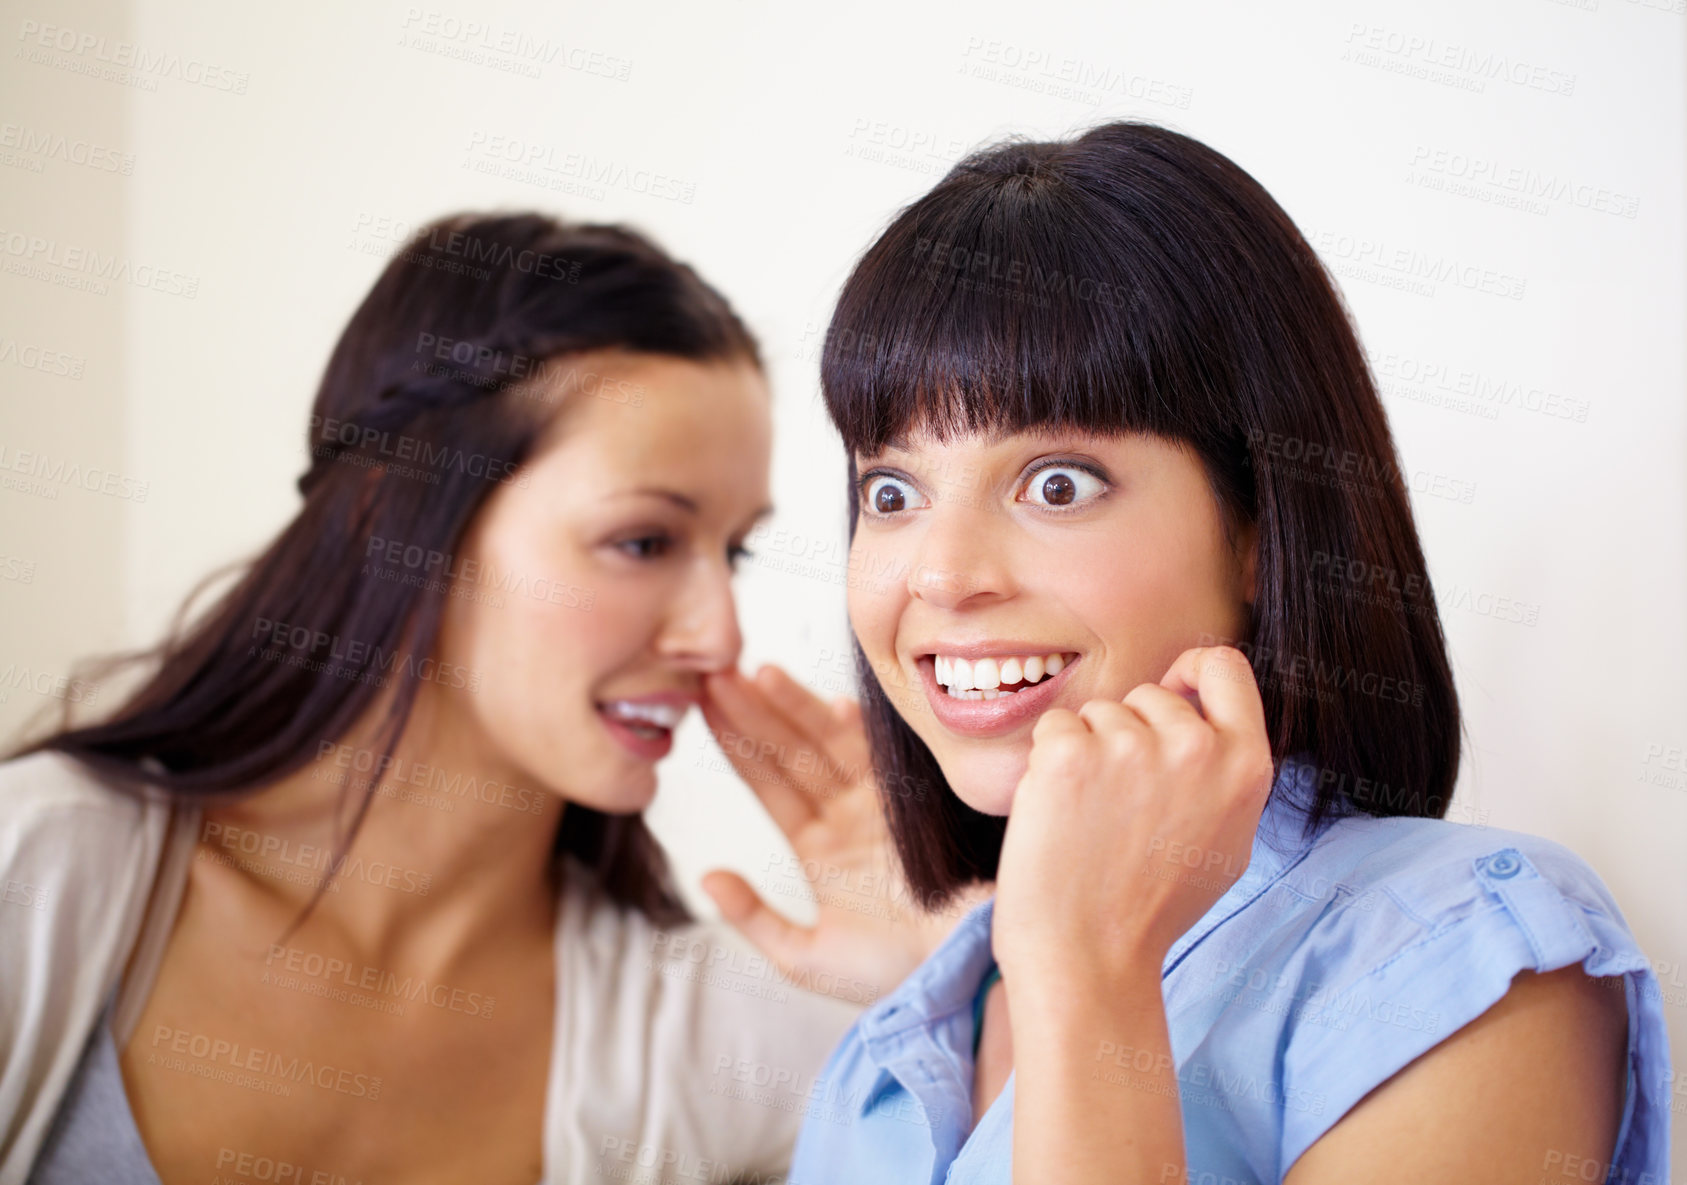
<point>779,939</point>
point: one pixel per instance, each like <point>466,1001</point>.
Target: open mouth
<point>652,720</point>
<point>995,677</point>
<point>644,727</point>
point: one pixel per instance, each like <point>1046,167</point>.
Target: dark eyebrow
<point>678,499</point>
<point>686,503</point>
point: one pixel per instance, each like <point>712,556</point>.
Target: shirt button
<point>1504,866</point>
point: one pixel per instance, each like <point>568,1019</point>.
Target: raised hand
<point>1094,879</point>
<point>808,762</point>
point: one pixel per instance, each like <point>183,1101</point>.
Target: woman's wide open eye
<point>884,493</point>
<point>1062,485</point>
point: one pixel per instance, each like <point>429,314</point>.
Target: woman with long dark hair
<point>1169,643</point>
<point>353,884</point>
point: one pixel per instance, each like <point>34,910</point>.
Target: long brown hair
<point>425,405</point>
<point>1133,279</point>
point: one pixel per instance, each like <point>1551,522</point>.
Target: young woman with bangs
<point>1102,399</point>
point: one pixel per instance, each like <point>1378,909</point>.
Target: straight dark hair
<point>1134,280</point>
<point>447,355</point>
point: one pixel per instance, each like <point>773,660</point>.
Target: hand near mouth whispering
<point>808,762</point>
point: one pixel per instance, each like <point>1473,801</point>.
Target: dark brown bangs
<point>1010,297</point>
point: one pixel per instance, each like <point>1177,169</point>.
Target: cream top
<point>678,1055</point>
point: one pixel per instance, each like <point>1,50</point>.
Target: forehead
<point>925,437</point>
<point>632,405</point>
<point>631,420</point>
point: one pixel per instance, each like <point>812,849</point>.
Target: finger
<point>1056,721</point>
<point>805,710</point>
<point>1107,715</point>
<point>776,937</point>
<point>778,749</point>
<point>1162,708</point>
<point>1222,681</point>
<point>837,731</point>
<point>740,732</point>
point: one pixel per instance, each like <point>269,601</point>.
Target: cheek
<point>1150,602</point>
<point>543,633</point>
<point>873,598</point>
<point>535,656</point>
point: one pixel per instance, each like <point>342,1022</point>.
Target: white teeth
<point>986,678</point>
<point>661,715</point>
<point>960,674</point>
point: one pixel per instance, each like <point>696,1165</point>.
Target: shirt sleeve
<point>1469,929</point>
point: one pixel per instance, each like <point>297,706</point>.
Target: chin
<point>632,792</point>
<point>986,786</point>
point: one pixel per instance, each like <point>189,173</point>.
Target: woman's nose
<point>702,631</point>
<point>960,559</point>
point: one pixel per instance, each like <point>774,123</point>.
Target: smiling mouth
<point>647,720</point>
<point>995,677</point>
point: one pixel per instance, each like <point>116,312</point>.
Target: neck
<point>453,852</point>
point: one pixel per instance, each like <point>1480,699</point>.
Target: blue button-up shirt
<point>1334,961</point>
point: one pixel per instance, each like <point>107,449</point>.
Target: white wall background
<point>793,133</point>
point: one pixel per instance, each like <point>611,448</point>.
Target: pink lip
<point>674,699</point>
<point>990,717</point>
<point>643,747</point>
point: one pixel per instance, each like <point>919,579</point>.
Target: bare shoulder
<point>1536,1080</point>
